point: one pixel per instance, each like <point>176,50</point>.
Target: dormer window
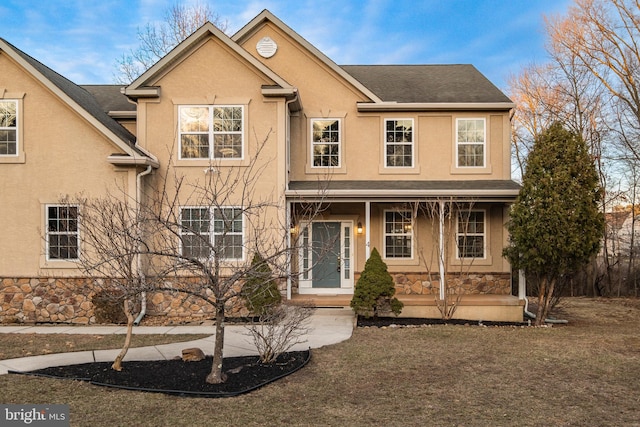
<point>211,131</point>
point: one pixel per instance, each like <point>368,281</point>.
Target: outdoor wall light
<point>359,228</point>
<point>292,228</point>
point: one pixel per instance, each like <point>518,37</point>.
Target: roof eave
<point>123,114</point>
<point>433,106</point>
<point>143,92</point>
<point>119,160</point>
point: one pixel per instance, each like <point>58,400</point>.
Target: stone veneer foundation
<point>56,300</point>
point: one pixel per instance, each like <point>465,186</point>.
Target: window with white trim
<point>398,142</point>
<point>470,234</point>
<point>211,131</point>
<point>470,142</point>
<point>8,127</point>
<point>325,142</point>
<point>205,231</point>
<point>63,233</point>
<point>398,234</point>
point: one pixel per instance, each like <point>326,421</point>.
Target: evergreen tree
<point>375,289</point>
<point>556,223</point>
<point>260,291</point>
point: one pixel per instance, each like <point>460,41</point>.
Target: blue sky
<point>81,39</point>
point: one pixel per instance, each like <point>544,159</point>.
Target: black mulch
<point>244,374</point>
<point>414,321</point>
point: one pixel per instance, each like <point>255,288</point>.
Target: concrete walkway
<point>326,326</point>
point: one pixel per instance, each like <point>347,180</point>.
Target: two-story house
<point>413,160</point>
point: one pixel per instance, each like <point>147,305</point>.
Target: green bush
<point>375,289</point>
<point>260,292</point>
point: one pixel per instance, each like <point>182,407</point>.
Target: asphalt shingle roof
<point>428,186</point>
<point>110,97</point>
<point>458,83</point>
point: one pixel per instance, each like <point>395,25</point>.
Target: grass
<point>582,374</point>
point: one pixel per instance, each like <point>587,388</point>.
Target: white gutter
<point>432,106</point>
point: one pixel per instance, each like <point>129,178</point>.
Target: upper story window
<point>399,143</point>
<point>8,128</point>
<point>398,234</point>
<point>470,234</point>
<point>325,142</point>
<point>205,230</point>
<point>211,131</point>
<point>470,142</point>
<point>63,236</point>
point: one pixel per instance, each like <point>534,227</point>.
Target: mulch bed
<point>381,322</point>
<point>244,374</point>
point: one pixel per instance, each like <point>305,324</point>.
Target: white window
<point>206,232</point>
<point>211,131</point>
<point>325,142</point>
<point>63,236</point>
<point>398,234</point>
<point>470,142</point>
<point>399,143</point>
<point>470,234</point>
<point>8,128</point>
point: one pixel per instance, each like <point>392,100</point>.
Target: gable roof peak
<point>141,86</point>
<point>266,16</point>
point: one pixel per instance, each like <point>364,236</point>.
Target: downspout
<point>289,206</point>
<point>143,295</point>
<point>533,316</point>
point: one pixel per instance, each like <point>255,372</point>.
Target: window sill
<point>20,158</point>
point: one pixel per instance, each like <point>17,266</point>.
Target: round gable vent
<point>266,47</point>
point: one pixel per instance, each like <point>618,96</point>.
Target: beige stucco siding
<point>64,155</point>
<point>213,74</point>
<point>325,94</point>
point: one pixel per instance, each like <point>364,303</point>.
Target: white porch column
<point>289,255</point>
<point>441,248</point>
<point>367,227</point>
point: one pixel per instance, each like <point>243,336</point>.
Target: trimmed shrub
<point>260,292</point>
<point>375,289</point>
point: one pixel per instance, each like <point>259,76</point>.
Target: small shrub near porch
<point>374,292</point>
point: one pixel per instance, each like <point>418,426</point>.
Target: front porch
<point>498,308</point>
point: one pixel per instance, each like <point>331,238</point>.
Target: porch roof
<point>498,190</point>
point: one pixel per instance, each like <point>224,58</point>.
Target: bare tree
<point>158,39</point>
<point>110,253</point>
<point>603,37</point>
